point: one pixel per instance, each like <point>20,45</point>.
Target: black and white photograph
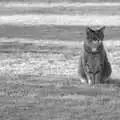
<point>59,60</point>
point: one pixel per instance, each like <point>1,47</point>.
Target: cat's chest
<point>94,59</point>
<point>93,63</point>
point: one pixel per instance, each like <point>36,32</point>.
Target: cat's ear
<point>88,30</point>
<point>89,33</point>
<point>101,32</point>
<point>102,29</point>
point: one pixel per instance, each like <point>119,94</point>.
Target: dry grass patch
<point>45,85</point>
<point>47,57</point>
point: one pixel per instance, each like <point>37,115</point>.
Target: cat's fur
<point>94,66</point>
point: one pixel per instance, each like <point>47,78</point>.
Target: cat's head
<point>94,39</point>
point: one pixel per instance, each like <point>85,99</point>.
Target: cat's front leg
<point>90,78</point>
<point>98,78</point>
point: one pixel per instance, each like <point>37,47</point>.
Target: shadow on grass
<point>114,81</point>
<point>103,89</point>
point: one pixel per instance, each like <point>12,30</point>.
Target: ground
<point>39,80</point>
<point>39,64</point>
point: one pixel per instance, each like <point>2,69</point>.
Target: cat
<point>94,67</point>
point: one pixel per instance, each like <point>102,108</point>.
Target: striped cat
<point>94,66</point>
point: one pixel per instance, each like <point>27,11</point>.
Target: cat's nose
<point>95,42</point>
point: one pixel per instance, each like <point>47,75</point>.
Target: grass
<point>97,10</point>
<point>44,84</point>
<point>82,20</point>
<point>38,73</point>
<point>49,1</point>
<point>53,32</point>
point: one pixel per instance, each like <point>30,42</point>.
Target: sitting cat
<point>94,66</point>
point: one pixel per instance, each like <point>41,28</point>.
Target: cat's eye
<point>89,41</point>
<point>87,65</point>
<point>94,39</point>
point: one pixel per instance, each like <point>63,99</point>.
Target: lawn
<point>53,1</point>
<point>39,56</point>
<point>39,80</point>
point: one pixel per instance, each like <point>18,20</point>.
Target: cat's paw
<point>83,81</point>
